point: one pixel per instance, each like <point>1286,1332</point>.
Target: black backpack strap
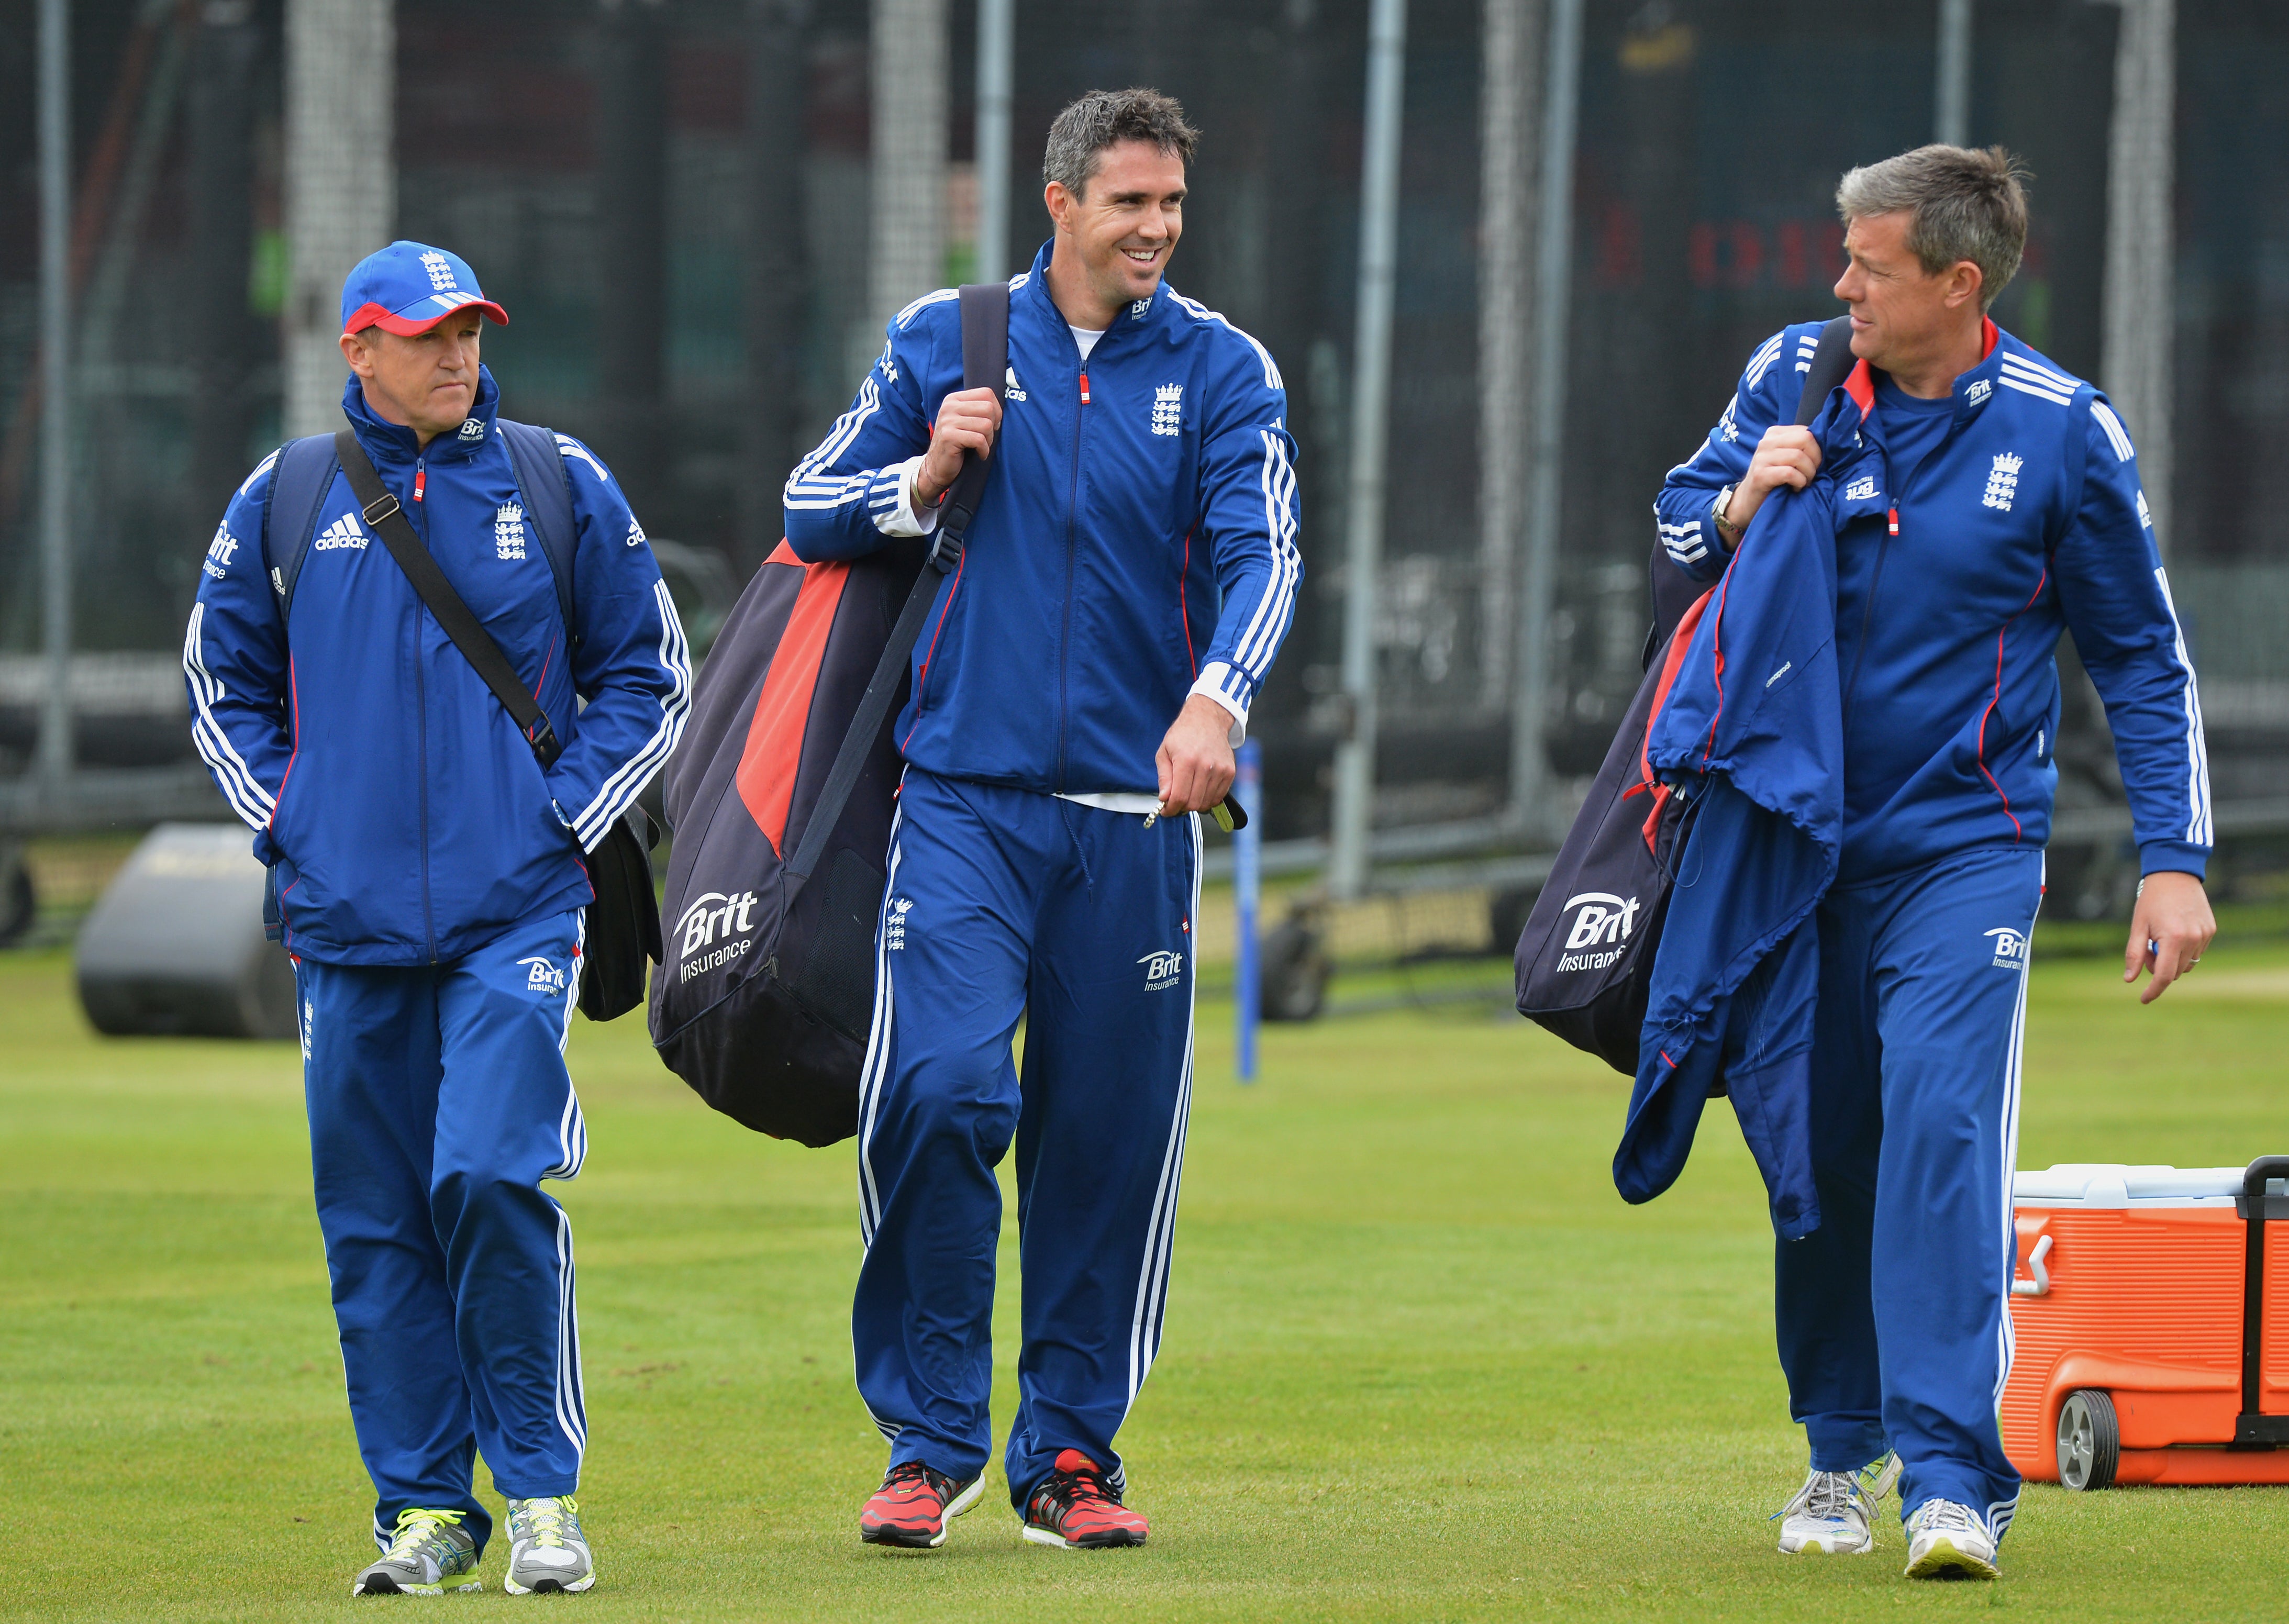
<point>299,483</point>
<point>387,518</point>
<point>985,364</point>
<point>1831,364</point>
<point>546,484</point>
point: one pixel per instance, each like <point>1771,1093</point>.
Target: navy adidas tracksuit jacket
<point>1136,543</point>
<point>1848,939</point>
<point>431,885</point>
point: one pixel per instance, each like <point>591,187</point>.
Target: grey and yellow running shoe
<point>428,1554</point>
<point>546,1550</point>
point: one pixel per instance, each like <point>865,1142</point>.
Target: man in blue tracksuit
<point>1989,502</point>
<point>1076,695</point>
<point>431,884</point>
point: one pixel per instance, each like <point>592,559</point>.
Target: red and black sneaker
<point>914,1506</point>
<point>1075,1509</point>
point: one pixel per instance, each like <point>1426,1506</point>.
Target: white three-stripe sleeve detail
<point>809,488</point>
<point>2117,436</point>
<point>594,820</point>
<point>2199,829</point>
<point>1256,645</point>
<point>240,786</point>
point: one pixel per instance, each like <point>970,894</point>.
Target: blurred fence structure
<point>700,212</point>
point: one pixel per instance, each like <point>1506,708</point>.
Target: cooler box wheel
<point>2090,1442</point>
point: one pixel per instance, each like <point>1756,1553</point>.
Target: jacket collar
<point>1973,389</point>
<point>394,445</point>
<point>1136,314</point>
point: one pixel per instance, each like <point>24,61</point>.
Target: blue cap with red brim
<point>408,288</point>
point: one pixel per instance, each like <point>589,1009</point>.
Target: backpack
<point>765,995</point>
<point>622,935</point>
<point>1584,961</point>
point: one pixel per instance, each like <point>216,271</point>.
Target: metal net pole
<point>55,759</point>
<point>341,60</point>
<point>908,86</point>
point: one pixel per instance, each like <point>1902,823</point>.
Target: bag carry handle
<point>2253,1429</point>
<point>385,517</point>
<point>985,362</point>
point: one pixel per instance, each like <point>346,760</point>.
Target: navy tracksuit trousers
<point>1003,904</point>
<point>1894,1315</point>
<point>438,1101</point>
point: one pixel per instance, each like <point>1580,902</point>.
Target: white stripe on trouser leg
<point>877,1063</point>
<point>571,1403</point>
<point>870,1085</point>
<point>1152,1278</point>
<point>2006,1334</point>
<point>571,1127</point>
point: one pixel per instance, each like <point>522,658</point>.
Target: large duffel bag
<point>780,797</point>
<point>1584,961</point>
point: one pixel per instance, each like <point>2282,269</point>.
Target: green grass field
<point>1421,1363</point>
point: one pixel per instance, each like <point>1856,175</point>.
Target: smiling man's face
<point>1125,224</point>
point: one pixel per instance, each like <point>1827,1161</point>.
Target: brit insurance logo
<point>219,551</point>
<point>543,977</point>
<point>508,531</point>
<point>1861,488</point>
<point>1602,923</point>
<point>473,428</point>
<point>2003,482</point>
<point>1976,396</point>
<point>713,931</point>
<point>1168,409</point>
<point>1163,969</point>
<point>343,532</point>
<point>2010,948</point>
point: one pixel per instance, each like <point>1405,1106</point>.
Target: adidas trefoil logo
<point>2003,482</point>
<point>1011,389</point>
<point>1168,409</point>
<point>343,532</point>
<point>508,531</point>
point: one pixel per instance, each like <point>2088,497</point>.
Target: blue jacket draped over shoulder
<point>1752,731</point>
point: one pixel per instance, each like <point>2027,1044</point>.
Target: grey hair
<point>1967,203</point>
<point>1105,118</point>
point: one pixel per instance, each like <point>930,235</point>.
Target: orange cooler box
<point>2149,1350</point>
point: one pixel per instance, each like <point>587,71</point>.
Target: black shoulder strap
<point>546,483</point>
<point>1831,364</point>
<point>299,483</point>
<point>984,362</point>
<point>387,519</point>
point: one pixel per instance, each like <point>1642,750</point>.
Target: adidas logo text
<point>343,532</point>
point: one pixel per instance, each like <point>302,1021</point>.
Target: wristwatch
<point>1725,527</point>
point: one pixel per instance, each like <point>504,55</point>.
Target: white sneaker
<point>546,1550</point>
<point>1830,1515</point>
<point>429,1552</point>
<point>1947,1541</point>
